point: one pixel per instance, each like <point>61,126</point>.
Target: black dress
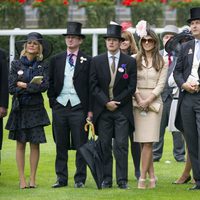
<point>28,116</point>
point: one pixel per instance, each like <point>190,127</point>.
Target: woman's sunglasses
<point>147,40</point>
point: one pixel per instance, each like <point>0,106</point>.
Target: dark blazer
<point>167,91</point>
<point>181,72</point>
<point>123,88</point>
<point>3,88</point>
<point>80,78</point>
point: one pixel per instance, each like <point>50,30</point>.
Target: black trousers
<point>135,152</point>
<point>68,124</point>
<point>109,123</point>
<point>190,113</point>
<point>178,141</point>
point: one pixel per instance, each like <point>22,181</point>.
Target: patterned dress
<point>28,116</point>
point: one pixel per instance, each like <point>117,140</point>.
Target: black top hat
<point>174,43</point>
<point>47,46</point>
<point>74,28</point>
<point>114,31</point>
<point>194,14</point>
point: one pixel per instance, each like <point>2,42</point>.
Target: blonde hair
<point>39,56</point>
<point>157,61</point>
<point>127,35</point>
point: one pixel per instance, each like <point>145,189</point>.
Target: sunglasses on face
<point>147,40</point>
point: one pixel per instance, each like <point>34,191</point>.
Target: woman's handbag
<point>155,106</point>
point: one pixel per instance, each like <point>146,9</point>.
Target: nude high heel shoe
<point>152,183</point>
<point>142,183</point>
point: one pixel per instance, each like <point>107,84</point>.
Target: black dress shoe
<point>196,187</point>
<point>79,185</point>
<point>123,185</point>
<point>59,184</point>
<point>156,160</point>
<point>183,182</point>
<point>106,184</point>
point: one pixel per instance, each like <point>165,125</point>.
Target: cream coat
<point>147,124</point>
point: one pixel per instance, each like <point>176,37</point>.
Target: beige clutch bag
<point>155,106</point>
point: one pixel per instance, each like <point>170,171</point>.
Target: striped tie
<point>70,59</point>
<point>113,64</point>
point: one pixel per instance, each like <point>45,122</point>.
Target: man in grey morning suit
<point>186,75</point>
<point>167,97</point>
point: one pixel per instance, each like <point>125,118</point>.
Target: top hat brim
<point>47,47</point>
<point>192,19</point>
<point>173,44</point>
<point>80,35</point>
<point>113,36</point>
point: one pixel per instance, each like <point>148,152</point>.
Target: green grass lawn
<point>9,183</point>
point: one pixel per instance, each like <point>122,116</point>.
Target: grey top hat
<point>169,29</point>
<point>74,28</point>
<point>194,14</point>
<point>114,31</point>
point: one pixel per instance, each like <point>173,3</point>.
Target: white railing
<point>95,32</point>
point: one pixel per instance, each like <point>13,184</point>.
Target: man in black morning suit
<point>3,91</point>
<point>178,143</point>
<point>69,99</point>
<point>113,82</point>
<point>186,75</point>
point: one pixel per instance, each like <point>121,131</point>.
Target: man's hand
<point>190,87</point>
<point>3,112</point>
<point>112,105</point>
<point>89,116</point>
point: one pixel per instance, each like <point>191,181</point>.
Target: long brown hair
<point>127,35</point>
<point>157,61</point>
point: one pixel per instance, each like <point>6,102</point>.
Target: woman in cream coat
<point>147,102</point>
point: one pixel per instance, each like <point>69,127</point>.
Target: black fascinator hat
<point>174,44</point>
<point>47,46</point>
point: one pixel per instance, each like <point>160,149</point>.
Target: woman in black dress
<point>28,116</point>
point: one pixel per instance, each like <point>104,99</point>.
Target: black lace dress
<point>28,116</point>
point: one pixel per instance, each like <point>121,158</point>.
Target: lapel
<point>79,65</point>
<point>61,66</point>
<point>190,53</point>
<point>105,68</point>
<point>119,75</point>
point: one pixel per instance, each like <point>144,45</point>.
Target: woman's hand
<point>21,84</point>
<point>143,104</point>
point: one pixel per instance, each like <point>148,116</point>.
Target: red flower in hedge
<point>65,2</point>
<point>127,2</point>
<point>40,1</point>
<point>22,1</point>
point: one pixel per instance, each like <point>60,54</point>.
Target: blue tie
<point>70,59</point>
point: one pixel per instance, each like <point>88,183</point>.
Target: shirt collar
<point>116,55</point>
<point>75,52</point>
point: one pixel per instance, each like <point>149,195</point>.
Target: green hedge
<point>11,15</point>
<point>149,11</point>
<point>183,11</point>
